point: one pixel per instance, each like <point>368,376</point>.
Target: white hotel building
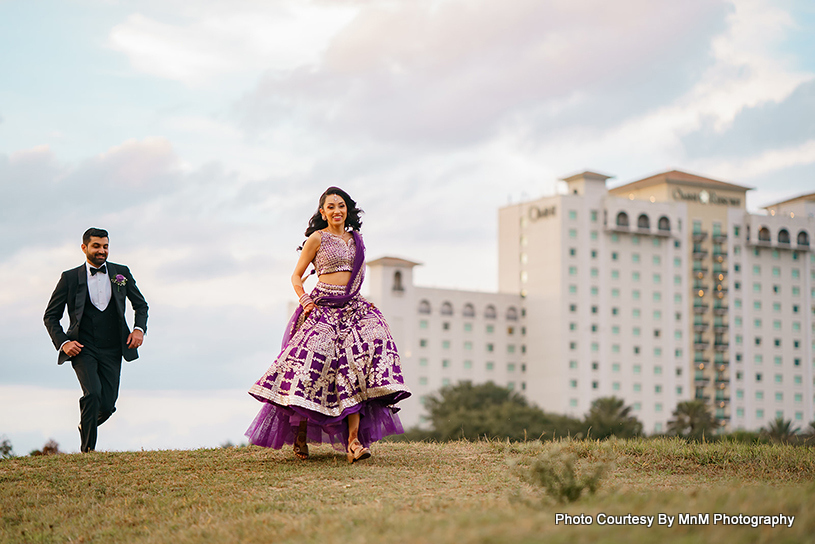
<point>658,291</point>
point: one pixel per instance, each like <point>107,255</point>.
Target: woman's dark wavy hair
<point>352,220</point>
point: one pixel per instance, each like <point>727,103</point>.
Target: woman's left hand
<point>307,309</point>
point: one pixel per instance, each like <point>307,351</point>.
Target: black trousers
<point>98,371</point>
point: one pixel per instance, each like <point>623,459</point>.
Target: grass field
<point>408,492</point>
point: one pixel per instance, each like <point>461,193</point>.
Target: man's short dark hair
<point>93,231</point>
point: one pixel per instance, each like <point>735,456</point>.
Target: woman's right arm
<point>306,256</point>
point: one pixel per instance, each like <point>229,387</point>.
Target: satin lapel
<point>81,292</point>
<point>117,293</point>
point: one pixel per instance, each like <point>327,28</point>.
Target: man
<point>97,336</point>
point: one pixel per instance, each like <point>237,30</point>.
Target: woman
<point>338,375</point>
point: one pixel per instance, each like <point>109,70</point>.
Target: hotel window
<point>757,270</point>
<point>572,308</point>
<point>615,330</point>
<point>637,387</point>
<point>445,344</point>
<point>572,214</point>
<point>572,233</point>
<point>594,309</point>
<point>468,346</point>
<point>757,305</point>
<point>572,252</point>
<point>423,380</point>
<point>615,293</point>
<point>677,262</point>
<point>468,327</point>
<point>677,280</point>
<point>796,273</point>
<point>594,272</point>
<point>759,395</point>
<point>573,289</point>
<point>779,397</point>
<point>677,298</point>
<point>656,259</point>
<point>573,271</point>
<point>593,235</point>
<point>595,385</point>
<point>423,361</point>
<point>635,294</point>
<point>445,326</point>
<point>573,384</point>
<point>594,291</point>
<point>490,329</point>
<point>657,370</point>
<point>635,240</point>
<point>615,386</point>
<point>756,287</point>
<point>635,257</point>
<point>572,346</point>
<point>468,364</point>
<point>797,379</point>
<point>657,296</point>
<point>635,331</point>
<point>572,326</point>
<point>510,367</point>
<point>573,364</point>
<point>490,365</point>
<point>657,278</point>
<point>760,414</point>
<point>614,255</point>
<point>422,343</point>
<point>615,311</point>
<point>615,274</point>
<point>423,324</point>
<point>445,382</point>
<point>595,365</point>
<point>593,253</point>
<point>445,363</point>
<point>490,347</point>
<point>637,369</point>
<point>635,276</point>
<point>796,291</point>
<point>593,216</point>
<point>615,367</point>
<point>657,315</point>
<point>593,327</point>
<point>635,312</point>
<point>511,348</point>
<point>657,389</point>
<point>573,403</point>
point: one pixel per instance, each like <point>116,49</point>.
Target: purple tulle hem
<point>276,426</point>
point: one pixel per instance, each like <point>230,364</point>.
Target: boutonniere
<point>119,280</point>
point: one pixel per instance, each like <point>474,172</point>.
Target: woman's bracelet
<point>305,300</point>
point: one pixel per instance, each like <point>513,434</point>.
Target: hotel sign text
<point>705,197</point>
<point>536,213</point>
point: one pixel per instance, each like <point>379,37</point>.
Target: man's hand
<point>135,339</point>
<point>72,348</point>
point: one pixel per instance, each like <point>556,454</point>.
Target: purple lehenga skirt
<point>338,362</point>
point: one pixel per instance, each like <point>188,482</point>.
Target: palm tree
<point>781,431</point>
<point>609,416</point>
<point>692,419</point>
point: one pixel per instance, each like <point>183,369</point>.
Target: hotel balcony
<point>720,309</point>
<point>719,256</point>
<point>699,236</point>
<point>700,361</point>
<point>701,381</point>
<point>697,286</point>
<point>700,326</point>
<point>700,308</point>
<point>721,400</point>
<point>721,346</point>
<point>703,398</point>
<point>719,271</point>
<point>721,382</point>
<point>719,237</point>
<point>724,417</point>
<point>720,327</point>
<point>720,288</point>
<point>701,345</point>
<point>721,366</point>
<point>699,268</point>
<point>699,253</point>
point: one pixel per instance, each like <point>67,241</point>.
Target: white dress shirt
<point>99,287</point>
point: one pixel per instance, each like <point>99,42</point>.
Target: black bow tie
<point>101,269</point>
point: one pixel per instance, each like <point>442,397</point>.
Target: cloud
<point>216,39</point>
<point>769,126</point>
<point>458,72</point>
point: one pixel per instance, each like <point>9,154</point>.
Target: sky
<point>201,134</point>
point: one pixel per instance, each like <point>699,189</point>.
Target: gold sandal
<point>300,445</point>
<point>357,452</point>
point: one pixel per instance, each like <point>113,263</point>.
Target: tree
<point>692,419</point>
<point>50,448</point>
<point>487,410</point>
<point>609,416</point>
<point>781,431</point>
<point>6,449</point>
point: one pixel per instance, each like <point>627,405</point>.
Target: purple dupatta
<point>351,290</point>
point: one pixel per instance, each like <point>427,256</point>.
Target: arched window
<point>622,219</point>
<point>664,223</point>
<point>803,238</point>
<point>446,309</point>
<point>469,310</point>
<point>424,307</point>
<point>764,234</point>
<point>512,314</point>
<point>397,281</point>
<point>489,312</point>
<point>783,236</point>
<point>643,222</point>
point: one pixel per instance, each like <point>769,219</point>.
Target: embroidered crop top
<point>334,254</point>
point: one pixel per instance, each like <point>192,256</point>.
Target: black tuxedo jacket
<point>72,290</point>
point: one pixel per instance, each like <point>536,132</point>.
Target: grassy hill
<point>408,492</point>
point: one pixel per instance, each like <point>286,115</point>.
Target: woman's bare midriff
<point>336,278</point>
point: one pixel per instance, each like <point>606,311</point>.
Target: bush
<point>555,472</point>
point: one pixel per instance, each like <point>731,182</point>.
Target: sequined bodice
<point>334,254</point>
